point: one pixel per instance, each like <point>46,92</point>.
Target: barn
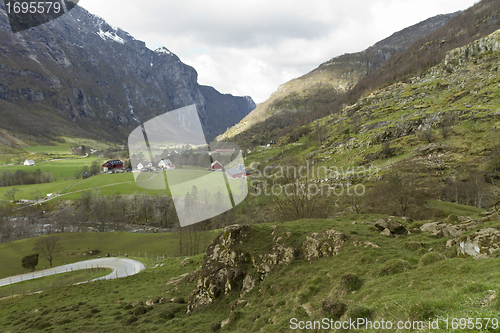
<point>216,166</point>
<point>237,173</point>
<point>112,165</point>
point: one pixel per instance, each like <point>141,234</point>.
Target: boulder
<point>185,261</point>
<point>323,244</point>
<point>481,244</point>
<point>248,284</point>
<point>394,227</point>
<point>386,232</point>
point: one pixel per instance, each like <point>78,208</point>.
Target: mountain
<point>325,84</point>
<point>79,76</point>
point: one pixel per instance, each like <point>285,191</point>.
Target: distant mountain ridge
<point>325,84</point>
<point>79,76</point>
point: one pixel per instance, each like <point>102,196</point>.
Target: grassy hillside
<point>404,278</point>
<point>75,247</point>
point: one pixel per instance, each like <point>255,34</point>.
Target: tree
<point>11,194</point>
<point>296,200</point>
<point>30,262</point>
<point>49,246</point>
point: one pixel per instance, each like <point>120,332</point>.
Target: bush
<point>215,326</point>
<point>360,312</point>
<point>349,283</point>
<point>139,310</point>
<point>430,258</point>
<point>334,309</point>
<point>167,314</point>
<point>179,300</point>
<point>129,320</point>
<point>394,266</point>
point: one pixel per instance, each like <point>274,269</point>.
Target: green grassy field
<point>61,169</point>
<point>433,284</point>
<point>60,149</point>
<point>75,247</point>
<point>31,192</point>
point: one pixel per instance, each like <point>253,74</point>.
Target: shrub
<point>430,258</point>
<point>167,314</point>
<point>139,310</point>
<point>130,319</point>
<point>349,283</point>
<point>394,266</point>
<point>179,300</point>
<point>215,326</point>
<point>360,312</point>
<point>334,309</point>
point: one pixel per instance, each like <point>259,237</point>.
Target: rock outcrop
<point>481,244</point>
<point>230,264</point>
<point>388,227</point>
<point>447,229</point>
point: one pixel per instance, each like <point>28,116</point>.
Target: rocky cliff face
<point>77,75</point>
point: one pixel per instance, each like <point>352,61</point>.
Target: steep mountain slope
<point>325,84</point>
<point>440,129</point>
<point>79,76</point>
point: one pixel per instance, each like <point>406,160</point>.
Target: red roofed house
<point>112,164</point>
<point>216,166</point>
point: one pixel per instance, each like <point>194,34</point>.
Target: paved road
<point>121,268</point>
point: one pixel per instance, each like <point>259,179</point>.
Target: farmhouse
<point>216,166</point>
<point>166,164</point>
<point>112,165</point>
<point>29,163</point>
<point>237,173</point>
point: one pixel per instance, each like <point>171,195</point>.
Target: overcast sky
<point>248,47</point>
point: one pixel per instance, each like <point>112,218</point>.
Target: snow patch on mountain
<point>112,36</point>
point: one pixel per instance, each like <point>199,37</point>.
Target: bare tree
<point>49,247</point>
<point>299,194</point>
<point>11,194</point>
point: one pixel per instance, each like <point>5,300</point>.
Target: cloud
<point>251,47</point>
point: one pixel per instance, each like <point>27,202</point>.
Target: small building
<point>86,175</point>
<point>237,173</point>
<point>112,165</point>
<point>216,166</point>
<point>29,163</point>
<point>164,163</point>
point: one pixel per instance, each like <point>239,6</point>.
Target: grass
<point>349,282</point>
<point>75,247</point>
<point>61,169</point>
<point>53,281</point>
<point>60,149</point>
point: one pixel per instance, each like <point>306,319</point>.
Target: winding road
<point>121,267</point>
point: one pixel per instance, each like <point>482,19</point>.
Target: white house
<point>164,163</point>
<point>140,166</point>
<point>29,163</point>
